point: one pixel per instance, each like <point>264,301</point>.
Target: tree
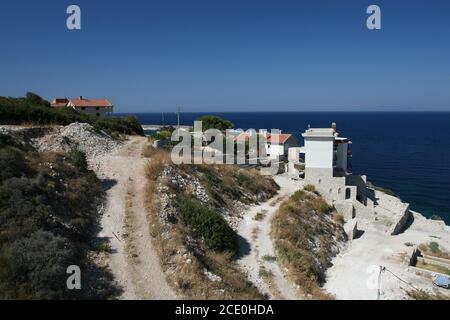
<point>36,100</point>
<point>214,122</point>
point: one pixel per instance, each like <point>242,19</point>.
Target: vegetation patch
<point>306,238</point>
<point>214,122</point>
<point>48,220</point>
<point>432,267</point>
<point>264,273</point>
<point>425,295</point>
<point>259,216</point>
<point>436,217</point>
<point>269,258</point>
<point>433,249</point>
<point>204,223</point>
<point>228,183</point>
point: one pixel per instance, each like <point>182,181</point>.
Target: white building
<point>276,145</point>
<point>324,162</point>
<point>327,167</point>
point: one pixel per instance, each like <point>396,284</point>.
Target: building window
<point>98,114</point>
<point>97,108</point>
<point>348,193</point>
<point>83,108</point>
<point>320,180</point>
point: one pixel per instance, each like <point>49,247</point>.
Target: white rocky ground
<point>354,274</point>
<point>258,243</point>
<point>80,136</point>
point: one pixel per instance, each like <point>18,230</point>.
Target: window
<point>348,193</point>
<point>97,108</point>
<point>98,114</point>
<point>83,108</point>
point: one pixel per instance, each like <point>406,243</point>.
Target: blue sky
<point>230,55</point>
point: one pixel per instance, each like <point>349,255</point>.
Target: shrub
<point>205,223</point>
<point>309,187</point>
<point>434,247</point>
<point>103,246</point>
<point>78,159</point>
<point>436,217</point>
<point>269,258</point>
<point>214,122</point>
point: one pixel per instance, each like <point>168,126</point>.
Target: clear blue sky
<point>230,55</point>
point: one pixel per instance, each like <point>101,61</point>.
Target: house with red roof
<point>98,107</point>
<point>276,145</point>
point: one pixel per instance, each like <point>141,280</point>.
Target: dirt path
<point>256,246</point>
<point>133,261</point>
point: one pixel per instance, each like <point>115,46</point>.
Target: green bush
<point>78,159</point>
<point>434,247</point>
<point>205,223</point>
<point>214,122</point>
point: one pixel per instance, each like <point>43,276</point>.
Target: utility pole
<point>178,117</point>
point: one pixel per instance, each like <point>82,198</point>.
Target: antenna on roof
<point>162,115</point>
<point>309,126</point>
<point>178,117</point>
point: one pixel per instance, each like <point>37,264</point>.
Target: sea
<point>407,152</point>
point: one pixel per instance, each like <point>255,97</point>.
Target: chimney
<point>333,126</point>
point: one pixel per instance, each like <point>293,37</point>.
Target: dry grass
<point>259,216</point>
<point>226,183</point>
<point>433,249</point>
<point>424,295</point>
<point>149,151</point>
<point>305,235</point>
<point>432,267</point>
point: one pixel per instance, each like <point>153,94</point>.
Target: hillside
<point>194,211</point>
<point>49,214</point>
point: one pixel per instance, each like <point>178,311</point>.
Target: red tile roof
<point>282,137</point>
<point>102,103</point>
<point>81,103</point>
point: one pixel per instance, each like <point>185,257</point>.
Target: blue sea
<point>408,153</point>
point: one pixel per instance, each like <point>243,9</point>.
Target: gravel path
<point>133,261</point>
<point>257,243</point>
